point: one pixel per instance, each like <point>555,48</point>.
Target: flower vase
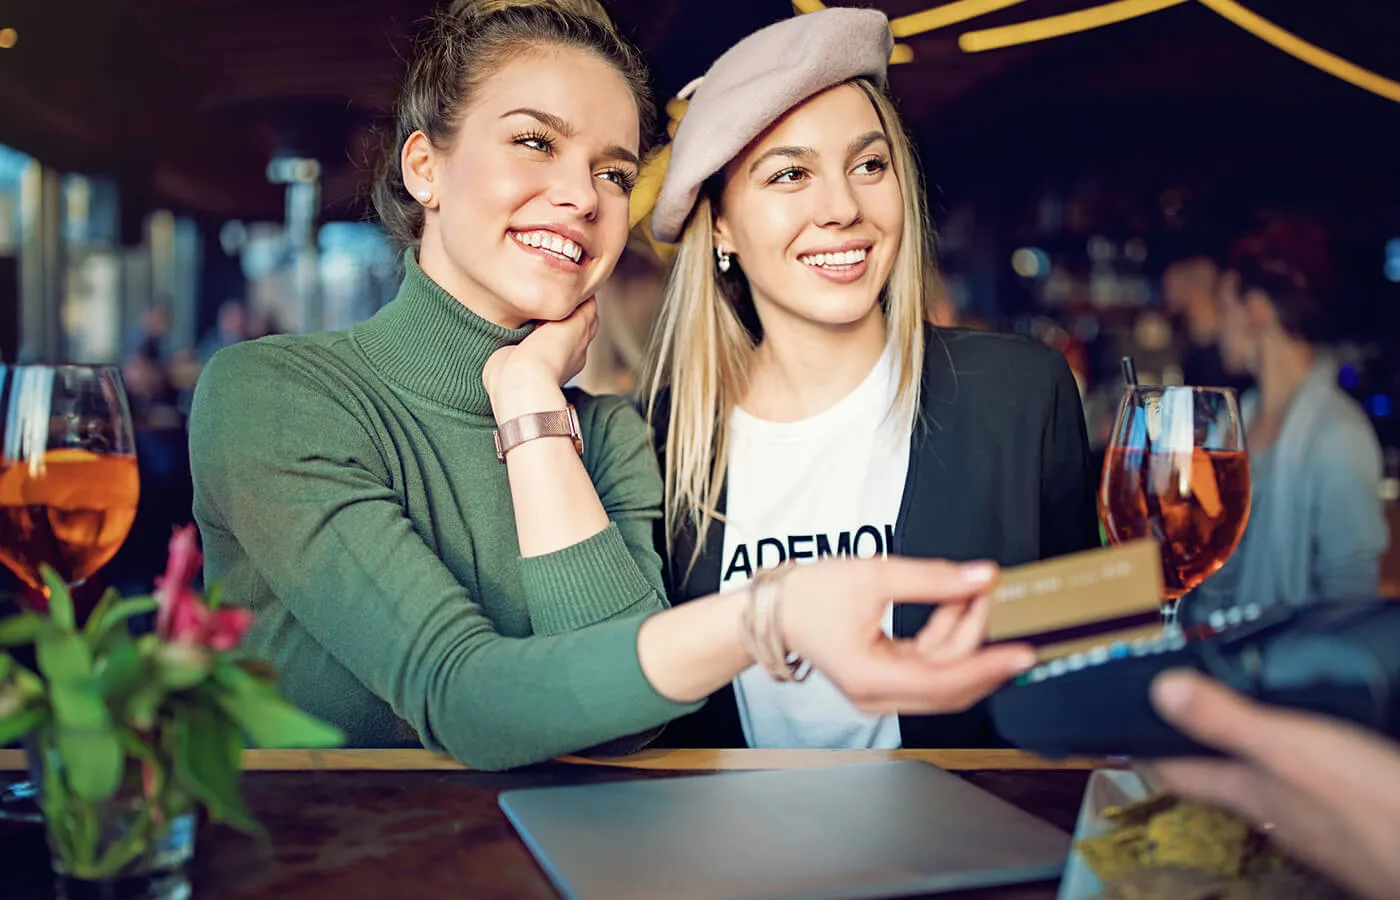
<point>120,848</point>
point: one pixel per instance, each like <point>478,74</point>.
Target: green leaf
<point>144,705</point>
<point>124,610</point>
<point>158,808</point>
<point>54,798</point>
<point>206,756</point>
<point>136,748</point>
<point>12,728</point>
<point>78,704</point>
<point>64,658</point>
<point>274,724</point>
<point>60,601</point>
<point>93,761</point>
<point>265,716</point>
<point>52,789</point>
<point>7,662</point>
<point>120,671</point>
<point>83,733</point>
<point>108,626</point>
<point>246,676</point>
<point>86,833</point>
<point>214,596</point>
<point>27,682</point>
<point>92,628</point>
<point>71,822</point>
<point>24,628</point>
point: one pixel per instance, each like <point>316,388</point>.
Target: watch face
<point>575,429</point>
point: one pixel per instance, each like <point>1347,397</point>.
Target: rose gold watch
<point>555,423</point>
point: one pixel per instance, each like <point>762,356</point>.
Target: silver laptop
<point>884,829</point>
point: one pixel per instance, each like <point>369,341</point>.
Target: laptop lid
<point>873,830</point>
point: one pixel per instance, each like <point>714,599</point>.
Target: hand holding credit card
<point>1086,599</point>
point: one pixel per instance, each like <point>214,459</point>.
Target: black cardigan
<point>998,469</point>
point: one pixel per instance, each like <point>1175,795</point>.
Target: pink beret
<point>755,82</point>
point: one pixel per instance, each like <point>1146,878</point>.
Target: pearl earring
<point>424,195</point>
<point>722,260</point>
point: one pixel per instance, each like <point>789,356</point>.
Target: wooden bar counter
<point>409,823</point>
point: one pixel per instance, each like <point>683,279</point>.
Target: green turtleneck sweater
<point>348,492</point>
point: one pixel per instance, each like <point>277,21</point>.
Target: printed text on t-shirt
<point>865,542</point>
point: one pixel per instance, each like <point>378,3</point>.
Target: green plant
<point>156,721</point>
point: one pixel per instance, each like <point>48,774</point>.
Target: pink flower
<point>194,623</point>
<point>182,616</point>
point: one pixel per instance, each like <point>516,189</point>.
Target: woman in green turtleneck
<point>410,585</point>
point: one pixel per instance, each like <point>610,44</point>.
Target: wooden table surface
<point>664,760</point>
<point>408,823</point>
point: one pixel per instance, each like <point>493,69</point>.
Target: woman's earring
<point>424,195</point>
<point>722,260</point>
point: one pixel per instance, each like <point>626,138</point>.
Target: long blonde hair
<point>702,349</point>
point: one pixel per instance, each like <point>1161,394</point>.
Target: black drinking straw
<point>1129,371</point>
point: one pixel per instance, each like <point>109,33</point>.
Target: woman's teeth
<point>548,240</point>
<point>846,258</point>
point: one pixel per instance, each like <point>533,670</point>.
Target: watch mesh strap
<point>555,423</point>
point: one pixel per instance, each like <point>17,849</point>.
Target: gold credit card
<point>1079,601</point>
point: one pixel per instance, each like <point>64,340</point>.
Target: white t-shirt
<point>829,485</point>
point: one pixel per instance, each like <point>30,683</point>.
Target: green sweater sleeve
<point>616,573</point>
<point>284,463</point>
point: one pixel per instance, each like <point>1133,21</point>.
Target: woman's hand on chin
<point>532,371</point>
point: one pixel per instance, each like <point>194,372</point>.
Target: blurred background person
<point>146,336</point>
<point>231,327</point>
<point>1316,530</point>
<point>146,370</point>
<point>1190,283</point>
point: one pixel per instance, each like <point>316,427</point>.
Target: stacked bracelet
<point>760,632</point>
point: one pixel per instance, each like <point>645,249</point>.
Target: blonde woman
<point>802,406</point>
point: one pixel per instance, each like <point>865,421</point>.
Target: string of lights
<point>1050,27</point>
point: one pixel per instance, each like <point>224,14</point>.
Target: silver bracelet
<point>760,632</point>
